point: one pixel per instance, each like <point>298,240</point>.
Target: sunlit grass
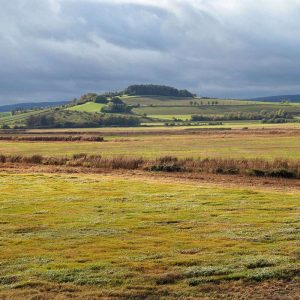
<point>89,107</point>
<point>115,233</point>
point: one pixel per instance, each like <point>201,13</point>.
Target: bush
<point>169,278</point>
<point>5,126</point>
<point>196,271</point>
<point>229,171</point>
<point>283,173</point>
<point>259,263</point>
<point>166,168</point>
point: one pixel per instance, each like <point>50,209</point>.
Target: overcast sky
<point>60,49</point>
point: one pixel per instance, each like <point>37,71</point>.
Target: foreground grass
<point>135,237</point>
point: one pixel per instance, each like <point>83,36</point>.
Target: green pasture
<point>4,114</point>
<point>215,109</point>
<point>89,107</point>
<point>20,119</point>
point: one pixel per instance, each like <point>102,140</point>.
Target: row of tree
<point>195,103</point>
<point>97,120</point>
<point>236,116</point>
<point>157,90</point>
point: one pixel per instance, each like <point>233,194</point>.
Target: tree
<point>100,99</point>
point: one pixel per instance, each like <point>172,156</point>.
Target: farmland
<point>156,211</point>
<point>231,143</point>
<point>150,110</point>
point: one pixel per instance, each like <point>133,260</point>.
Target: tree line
<point>157,90</point>
<point>96,120</point>
<point>263,115</point>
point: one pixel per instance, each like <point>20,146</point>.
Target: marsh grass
<point>140,237</point>
<point>278,168</point>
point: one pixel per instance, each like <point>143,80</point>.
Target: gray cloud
<point>59,49</point>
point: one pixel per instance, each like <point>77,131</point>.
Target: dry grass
<point>209,144</point>
<point>278,168</point>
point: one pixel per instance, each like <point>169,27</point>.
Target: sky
<point>52,50</point>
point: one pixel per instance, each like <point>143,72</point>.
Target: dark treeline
<point>94,120</point>
<point>264,116</point>
<point>52,138</point>
<point>158,90</point>
<point>279,168</point>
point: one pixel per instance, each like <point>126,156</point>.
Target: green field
<point>5,114</point>
<point>20,119</point>
<point>171,117</point>
<point>176,101</point>
<point>93,235</point>
<point>89,107</point>
<point>213,110</point>
<point>157,109</point>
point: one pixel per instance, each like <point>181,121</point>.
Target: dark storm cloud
<point>59,49</point>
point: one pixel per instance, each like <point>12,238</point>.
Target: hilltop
<point>279,98</point>
<point>148,105</point>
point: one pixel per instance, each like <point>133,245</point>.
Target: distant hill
<point>280,98</point>
<point>32,105</point>
<point>157,90</point>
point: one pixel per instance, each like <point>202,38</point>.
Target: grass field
<point>4,114</point>
<point>176,101</point>
<point>68,232</point>
<point>214,110</point>
<point>171,117</point>
<point>119,237</point>
<point>20,119</point>
<point>89,107</point>
<point>154,145</point>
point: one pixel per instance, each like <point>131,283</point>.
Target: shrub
<point>168,278</point>
<point>283,173</point>
<point>166,168</point>
<point>229,171</point>
<point>259,263</point>
<point>2,158</point>
<point>5,126</point>
<point>35,159</point>
<point>257,172</point>
<point>196,271</point>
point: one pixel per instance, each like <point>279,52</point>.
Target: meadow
<point>90,236</point>
<point>89,107</point>
<point>267,144</point>
<point>81,231</point>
